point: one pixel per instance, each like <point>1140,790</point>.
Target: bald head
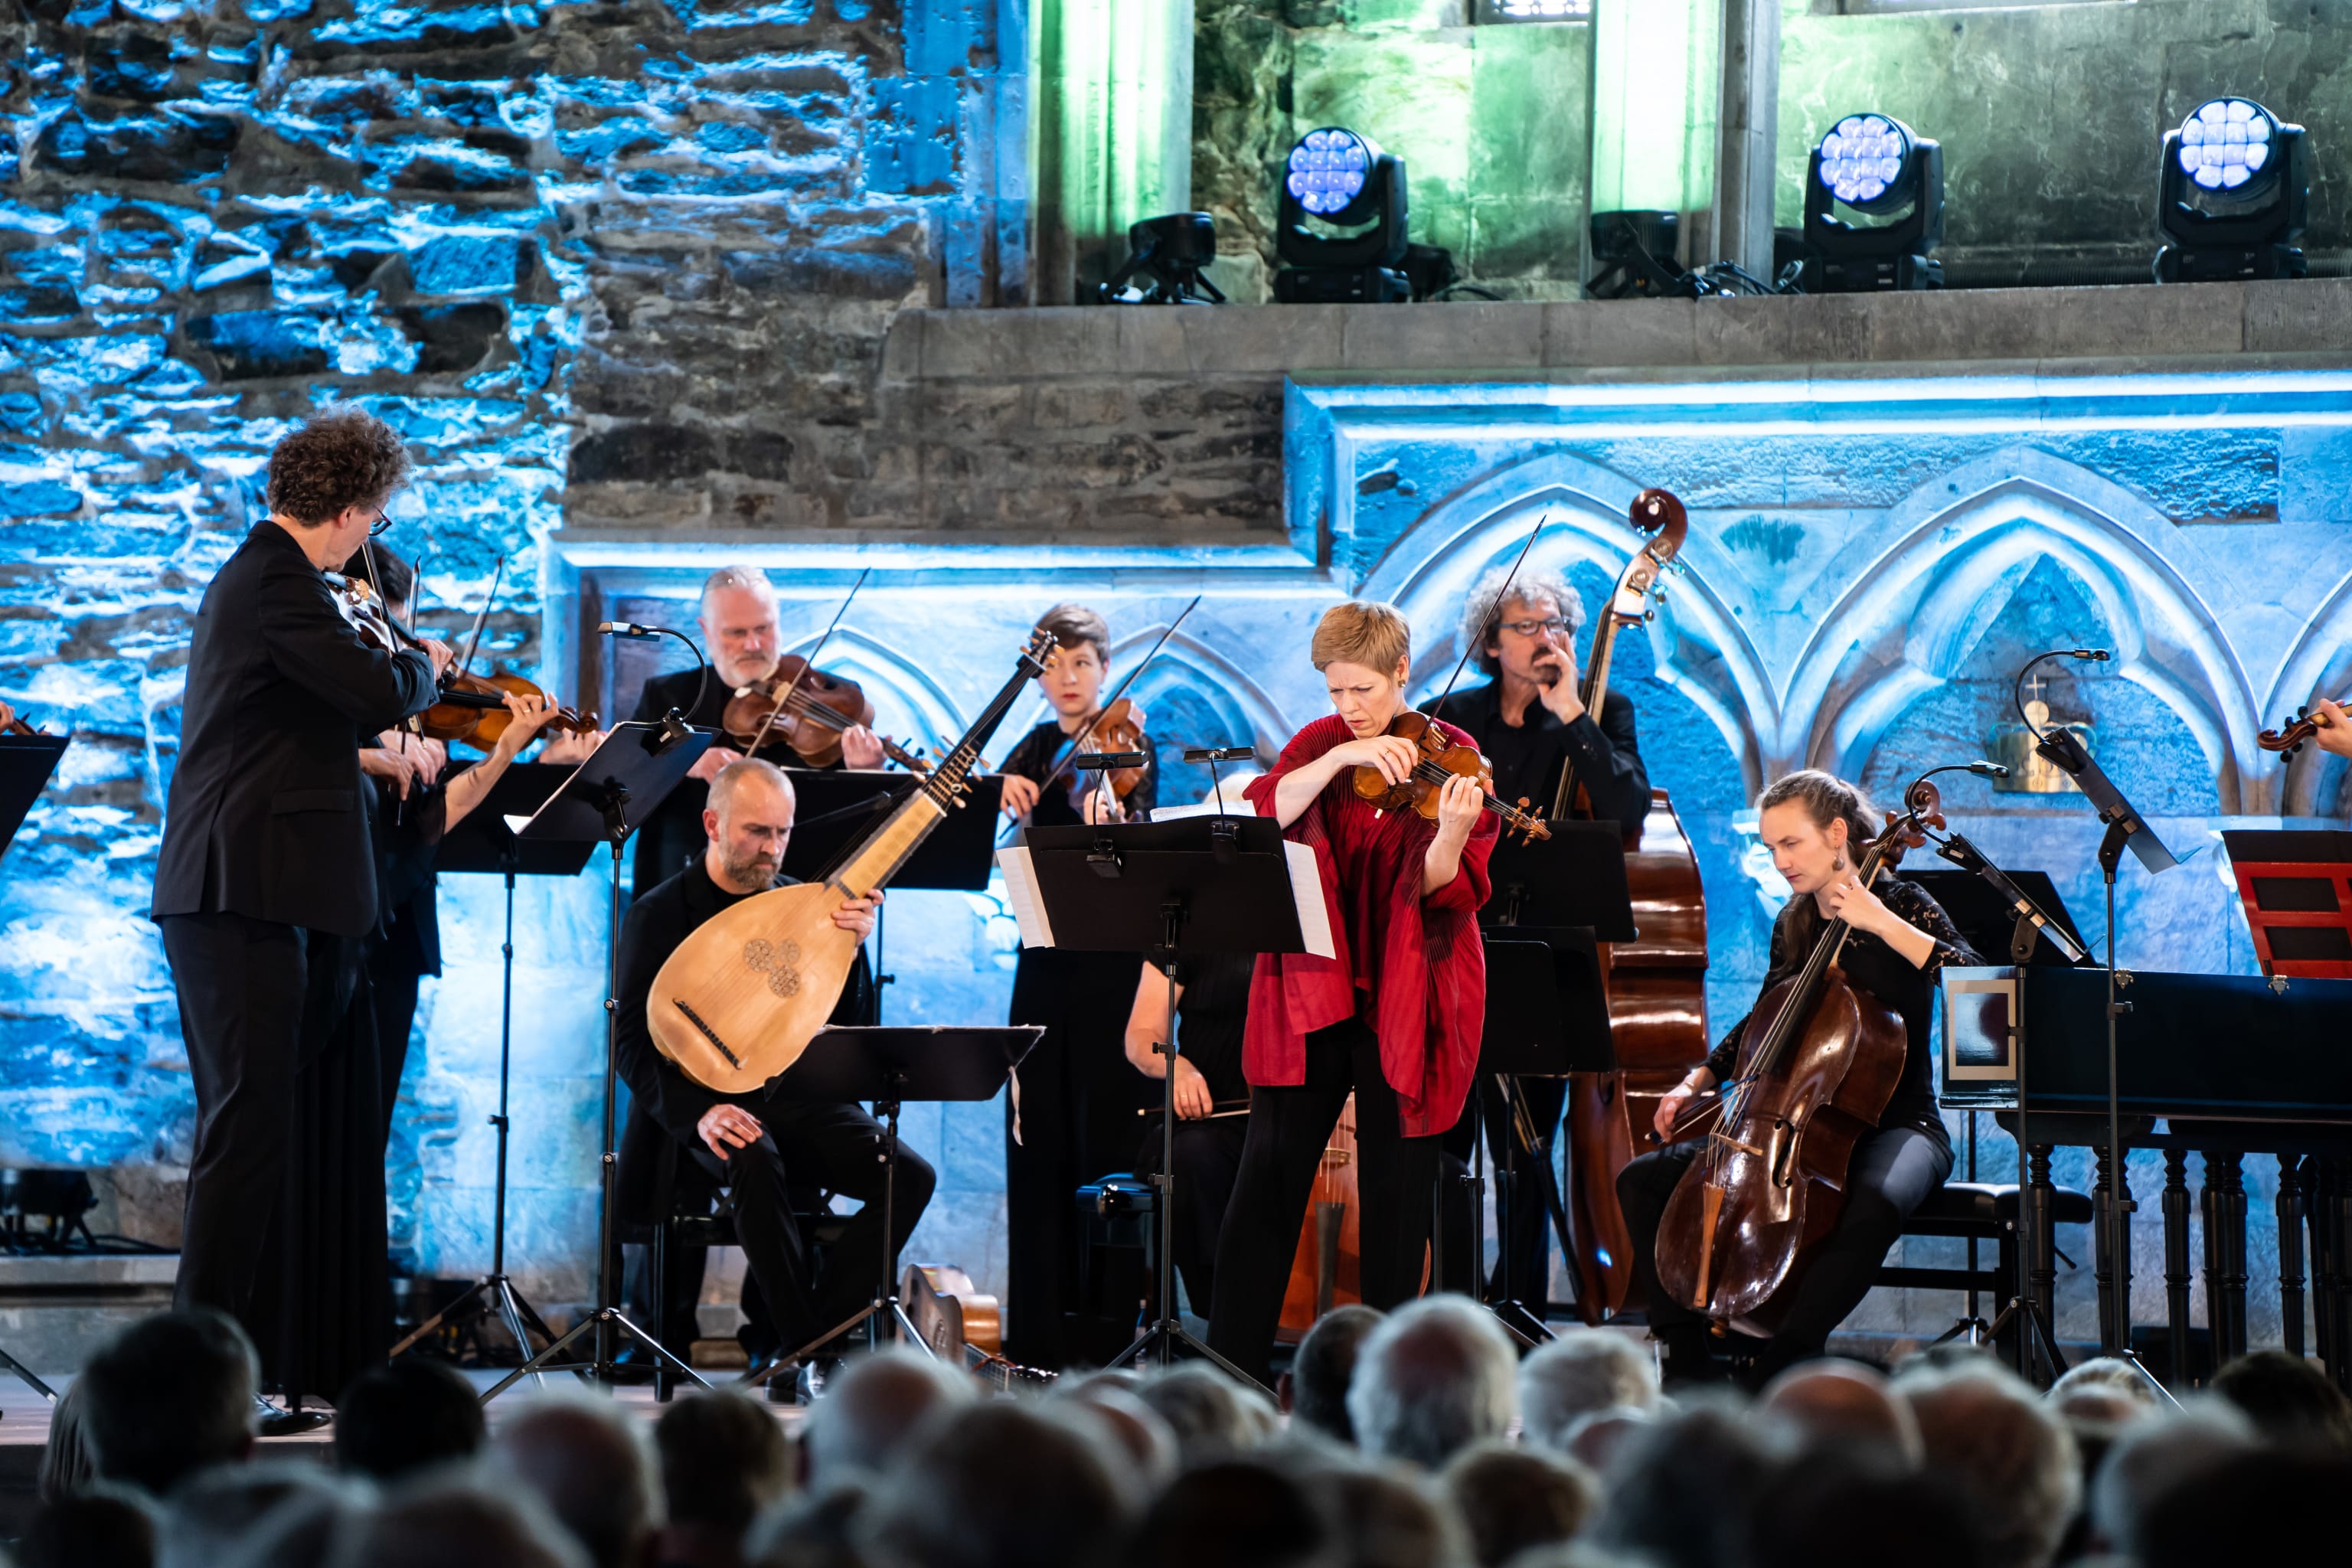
<point>749,821</point>
<point>871,1410</point>
<point>586,1464</point>
<point>1842,1402</point>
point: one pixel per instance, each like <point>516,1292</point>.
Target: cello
<point>1817,1064</point>
<point>1656,983</point>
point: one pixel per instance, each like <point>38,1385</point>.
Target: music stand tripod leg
<point>25,1375</point>
<point>1168,1332</point>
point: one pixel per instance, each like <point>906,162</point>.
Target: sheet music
<point>1306,892</point>
<point>1020,891</point>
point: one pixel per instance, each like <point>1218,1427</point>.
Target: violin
<point>2289,738</point>
<point>1817,1064</point>
<point>809,711</point>
<point>1117,727</point>
<point>1438,759</point>
<point>473,708</point>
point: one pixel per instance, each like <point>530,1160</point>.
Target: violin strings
<point>1431,772</point>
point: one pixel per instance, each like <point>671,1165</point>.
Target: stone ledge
<point>2300,323</point>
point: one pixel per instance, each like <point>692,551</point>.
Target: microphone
<point>1985,770</point>
<point>2095,655</point>
<point>1218,753</point>
<point>628,629</point>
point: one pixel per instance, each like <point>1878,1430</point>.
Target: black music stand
<point>1199,884</point>
<point>888,1067</point>
<point>837,807</point>
<point>1569,893</point>
<point>605,800</point>
<point>26,762</point>
<point>2126,830</point>
<point>483,843</point>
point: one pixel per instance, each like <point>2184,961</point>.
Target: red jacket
<point>1420,960</point>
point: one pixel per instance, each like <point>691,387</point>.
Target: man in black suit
<point>1530,721</point>
<point>266,866</point>
<point>761,1150</point>
<point>741,637</point>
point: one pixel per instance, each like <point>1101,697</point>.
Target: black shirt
<point>1527,756</point>
<point>1872,966</point>
<point>1043,747</point>
<point>1210,1016</point>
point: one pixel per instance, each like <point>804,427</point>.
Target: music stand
<point>837,807</point>
<point>26,762</point>
<point>2296,890</point>
<point>482,842</point>
<point>1569,893</point>
<point>2125,829</point>
<point>1200,884</point>
<point>605,800</point>
<point>888,1066</point>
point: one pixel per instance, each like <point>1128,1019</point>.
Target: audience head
<point>1580,1372</point>
<point>66,1466</point>
<point>1844,1402</point>
<point>93,1530</point>
<point>405,1415</point>
<point>1000,1485</point>
<point>1146,1439</point>
<point>1384,1517</point>
<point>1648,1508</point>
<point>2254,1506</point>
<point>2150,1459</point>
<point>1316,1386</point>
<point>873,1406</point>
<point>1234,1514</point>
<point>1511,1499</point>
<point>215,1515</point>
<point>449,1522</point>
<point>1437,1376</point>
<point>2290,1400</point>
<point>724,1460</point>
<point>583,1459</point>
<point>1213,1416</point>
<point>1593,1440</point>
<point>1843,1509</point>
<point>2011,1458</point>
<point>169,1395</point>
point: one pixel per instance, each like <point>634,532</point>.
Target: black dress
<point>1894,1167</point>
<point>1211,1016</point>
<point>1072,1117</point>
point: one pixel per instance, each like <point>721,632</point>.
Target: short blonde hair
<point>1377,636</point>
<point>730,779</point>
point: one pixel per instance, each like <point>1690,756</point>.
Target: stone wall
<point>630,243</point>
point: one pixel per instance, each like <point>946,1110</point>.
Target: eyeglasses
<point>1554,625</point>
<point>380,525</point>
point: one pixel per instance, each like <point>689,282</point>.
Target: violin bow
<point>474,637</point>
<point>808,662</point>
<point>1079,741</point>
<point>1502,598</point>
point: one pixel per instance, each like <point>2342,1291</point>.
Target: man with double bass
<point>1531,722</point>
<point>742,639</point>
<point>266,872</point>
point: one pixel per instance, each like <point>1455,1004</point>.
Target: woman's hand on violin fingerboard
<point>1020,794</point>
<point>1459,801</point>
<point>531,711</point>
<point>2333,733</point>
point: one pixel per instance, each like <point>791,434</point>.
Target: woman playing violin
<point>1075,1115</point>
<point>1818,828</point>
<point>1395,1017</point>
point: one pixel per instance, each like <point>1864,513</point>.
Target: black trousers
<point>838,1147</point>
<point>1517,1183</point>
<point>1289,1128</point>
<point>1208,1163</point>
<point>245,988</point>
<point>395,982</point>
<point>1894,1171</point>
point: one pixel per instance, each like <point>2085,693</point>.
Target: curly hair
<point>341,458</point>
<point>1482,612</point>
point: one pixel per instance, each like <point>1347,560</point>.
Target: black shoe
<point>271,1422</point>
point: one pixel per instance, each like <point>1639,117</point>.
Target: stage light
<point>1165,256</point>
<point>2231,194</point>
<point>1340,230</point>
<point>1872,166</point>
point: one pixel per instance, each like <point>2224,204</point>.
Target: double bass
<point>1817,1064</point>
<point>1656,983</point>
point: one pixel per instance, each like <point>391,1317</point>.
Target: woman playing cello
<point>1395,1017</point>
<point>1817,828</point>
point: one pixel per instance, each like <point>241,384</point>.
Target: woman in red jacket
<point>1395,1017</point>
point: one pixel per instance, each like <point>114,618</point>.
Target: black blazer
<point>1608,752</point>
<point>663,1103</point>
<point>265,817</point>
